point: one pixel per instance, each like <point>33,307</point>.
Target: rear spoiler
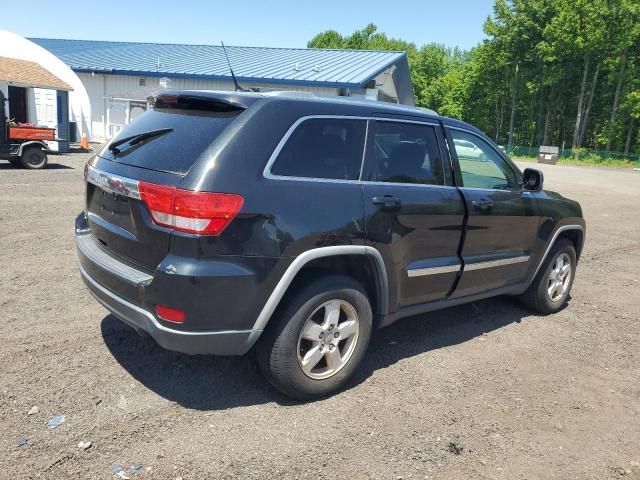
<point>204,100</point>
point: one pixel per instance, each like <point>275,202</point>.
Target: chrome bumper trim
<point>89,246</point>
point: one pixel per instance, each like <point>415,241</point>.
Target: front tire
<point>33,158</point>
<point>317,339</point>
<point>549,291</point>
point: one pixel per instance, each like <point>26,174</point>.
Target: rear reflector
<point>170,314</point>
<point>187,211</point>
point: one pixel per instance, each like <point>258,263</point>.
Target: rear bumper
<point>213,294</point>
<point>230,342</point>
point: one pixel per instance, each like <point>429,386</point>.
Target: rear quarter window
<point>192,131</point>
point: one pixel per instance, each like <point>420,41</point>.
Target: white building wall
<point>15,46</point>
<point>104,88</point>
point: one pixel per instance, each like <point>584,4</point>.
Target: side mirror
<point>532,179</point>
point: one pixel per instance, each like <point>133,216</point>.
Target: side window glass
<point>481,166</point>
<point>407,153</point>
<point>328,148</point>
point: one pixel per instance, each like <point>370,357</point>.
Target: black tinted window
<point>323,148</point>
<point>190,133</point>
<point>407,153</point>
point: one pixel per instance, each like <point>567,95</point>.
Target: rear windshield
<point>188,134</point>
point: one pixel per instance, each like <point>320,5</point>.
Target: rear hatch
<point>152,155</point>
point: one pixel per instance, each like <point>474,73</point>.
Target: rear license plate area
<point>112,204</point>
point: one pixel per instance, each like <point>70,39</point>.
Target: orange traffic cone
<point>84,143</point>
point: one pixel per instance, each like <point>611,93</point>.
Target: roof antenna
<point>235,82</point>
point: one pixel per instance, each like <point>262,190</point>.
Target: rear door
<point>414,217</point>
<point>502,224</point>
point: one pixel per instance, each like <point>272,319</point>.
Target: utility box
<point>548,154</point>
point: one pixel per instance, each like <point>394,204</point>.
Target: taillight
<point>205,213</point>
<point>88,164</point>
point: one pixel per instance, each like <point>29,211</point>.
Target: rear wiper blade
<point>134,139</point>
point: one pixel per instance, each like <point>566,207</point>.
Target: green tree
<point>578,32</point>
<point>548,72</point>
<point>625,31</point>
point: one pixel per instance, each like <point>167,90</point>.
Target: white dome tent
<point>52,94</point>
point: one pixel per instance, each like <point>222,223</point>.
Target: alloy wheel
<point>559,277</point>
<point>328,339</point>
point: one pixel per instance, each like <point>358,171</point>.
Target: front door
<point>413,217</point>
<point>502,223</point>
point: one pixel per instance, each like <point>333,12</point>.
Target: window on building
<point>407,153</point>
<point>323,148</point>
<point>142,82</point>
<point>480,165</point>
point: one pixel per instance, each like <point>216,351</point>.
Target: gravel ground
<point>485,390</point>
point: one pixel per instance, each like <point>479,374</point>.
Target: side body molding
<point>297,265</point>
<point>553,240</point>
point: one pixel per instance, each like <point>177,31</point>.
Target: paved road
<point>480,391</point>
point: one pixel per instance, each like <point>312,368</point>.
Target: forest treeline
<point>549,72</point>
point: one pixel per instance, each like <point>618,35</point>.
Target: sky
<point>270,23</point>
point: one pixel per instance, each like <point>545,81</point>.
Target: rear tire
<point>549,291</point>
<point>317,338</point>
<point>33,158</point>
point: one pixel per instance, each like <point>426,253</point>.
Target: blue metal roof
<point>302,66</point>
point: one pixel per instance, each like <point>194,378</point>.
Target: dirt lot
<point>480,391</point>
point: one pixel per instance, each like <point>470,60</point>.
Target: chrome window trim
<point>491,189</point>
<point>423,185</point>
<point>553,240</point>
<point>266,173</point>
<point>495,263</point>
<point>419,272</point>
<point>110,182</point>
<point>357,182</point>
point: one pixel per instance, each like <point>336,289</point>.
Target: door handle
<point>483,204</point>
<point>387,201</point>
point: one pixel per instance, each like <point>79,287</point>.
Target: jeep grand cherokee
<point>217,222</point>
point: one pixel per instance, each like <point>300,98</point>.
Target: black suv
<point>221,221</point>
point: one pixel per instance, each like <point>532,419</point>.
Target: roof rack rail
<point>289,93</point>
<point>428,110</point>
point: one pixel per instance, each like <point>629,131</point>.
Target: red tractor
<point>23,145</point>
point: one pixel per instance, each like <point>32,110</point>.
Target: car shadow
<point>443,328</point>
<point>218,383</point>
